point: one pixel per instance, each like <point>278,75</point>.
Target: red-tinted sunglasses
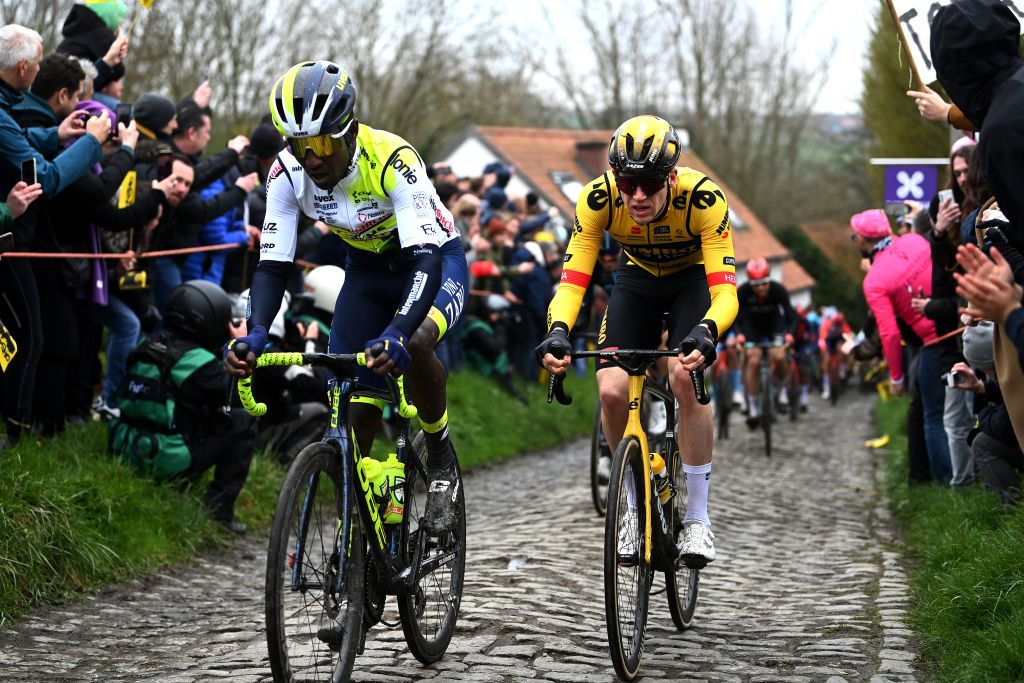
<point>628,185</point>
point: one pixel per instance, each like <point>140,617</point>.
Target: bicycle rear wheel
<point>598,445</point>
<point>683,582</point>
<point>429,614</point>
<point>627,578</point>
<point>723,403</point>
<point>302,572</point>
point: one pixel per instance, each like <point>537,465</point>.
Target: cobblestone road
<point>807,585</point>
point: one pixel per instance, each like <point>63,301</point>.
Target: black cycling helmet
<point>199,311</point>
<point>644,146</point>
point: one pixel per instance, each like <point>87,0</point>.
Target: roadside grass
<point>967,572</point>
<point>73,519</point>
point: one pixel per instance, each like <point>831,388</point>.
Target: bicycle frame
<point>385,544</point>
<point>634,426</point>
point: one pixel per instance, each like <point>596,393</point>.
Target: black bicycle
<point>324,591</point>
<point>640,537</point>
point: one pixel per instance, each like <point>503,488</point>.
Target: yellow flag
<point>126,195</point>
<point>8,347</point>
<point>147,3</point>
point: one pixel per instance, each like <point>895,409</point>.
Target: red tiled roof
<point>831,238</point>
<point>538,152</point>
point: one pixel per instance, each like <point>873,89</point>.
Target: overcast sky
<point>820,23</point>
<point>848,23</point>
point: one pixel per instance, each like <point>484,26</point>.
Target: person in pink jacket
<point>901,268</point>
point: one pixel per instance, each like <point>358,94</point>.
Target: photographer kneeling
<point>174,424</point>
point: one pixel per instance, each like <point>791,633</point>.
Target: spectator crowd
<point>944,279</point>
<point>89,170</point>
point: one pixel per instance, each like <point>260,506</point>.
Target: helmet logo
<point>342,81</point>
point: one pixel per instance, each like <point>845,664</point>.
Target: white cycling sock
<point>751,408</point>
<point>698,480</point>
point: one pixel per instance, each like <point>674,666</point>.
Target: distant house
<point>556,164</point>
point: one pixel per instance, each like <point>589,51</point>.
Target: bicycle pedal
<point>691,562</point>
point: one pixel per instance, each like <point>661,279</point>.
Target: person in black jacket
<point>74,290</point>
<point>993,442</point>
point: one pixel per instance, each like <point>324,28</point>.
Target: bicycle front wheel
<point>598,480</point>
<point>627,578</point>
<point>313,629</point>
<point>681,583</point>
<point>429,614</point>
<point>767,411</point>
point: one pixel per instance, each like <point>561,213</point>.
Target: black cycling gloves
<point>703,340</point>
<point>556,343</point>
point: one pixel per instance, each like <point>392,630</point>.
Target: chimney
<point>592,156</point>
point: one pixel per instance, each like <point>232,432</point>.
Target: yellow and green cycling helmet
<point>313,99</point>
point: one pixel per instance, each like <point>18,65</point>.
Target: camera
<point>952,379</point>
<point>897,209</point>
<point>124,112</point>
<point>248,163</point>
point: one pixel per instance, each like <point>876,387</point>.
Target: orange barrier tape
<point>946,336</point>
<point>148,254</point>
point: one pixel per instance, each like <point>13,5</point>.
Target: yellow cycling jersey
<point>695,229</point>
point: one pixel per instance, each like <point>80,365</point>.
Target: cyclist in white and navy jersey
<point>405,273</point>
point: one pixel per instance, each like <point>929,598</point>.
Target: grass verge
<point>72,519</point>
<point>967,573</point>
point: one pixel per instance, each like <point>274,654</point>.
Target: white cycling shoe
<point>604,469</point>
<point>697,548</point>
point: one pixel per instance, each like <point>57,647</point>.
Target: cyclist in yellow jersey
<point>677,269</point>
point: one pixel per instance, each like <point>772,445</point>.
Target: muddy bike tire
<point>626,586</point>
<point>309,509</point>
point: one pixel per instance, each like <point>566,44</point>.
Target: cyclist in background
<point>805,346</point>
<point>765,315</point>
<point>834,331</point>
<point>405,271</point>
<point>673,225</point>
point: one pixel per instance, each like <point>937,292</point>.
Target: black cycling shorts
<point>373,292</point>
<point>642,305</point>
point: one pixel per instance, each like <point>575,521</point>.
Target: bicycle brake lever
<point>700,391</point>
<point>556,389</point>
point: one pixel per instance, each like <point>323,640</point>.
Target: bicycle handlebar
<point>329,360</point>
<point>634,362</point>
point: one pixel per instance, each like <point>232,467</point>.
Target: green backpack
<point>145,436</point>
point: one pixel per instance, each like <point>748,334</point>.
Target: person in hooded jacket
<point>89,32</point>
<point>975,47</point>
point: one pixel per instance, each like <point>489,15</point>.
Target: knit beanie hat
<point>154,111</point>
<point>110,11</point>
<point>978,350</point>
<point>265,141</point>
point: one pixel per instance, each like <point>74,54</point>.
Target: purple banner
<point>914,183</point>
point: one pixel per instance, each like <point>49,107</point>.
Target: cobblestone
<point>808,585</point>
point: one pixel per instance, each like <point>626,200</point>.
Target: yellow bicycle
<point>640,537</point>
